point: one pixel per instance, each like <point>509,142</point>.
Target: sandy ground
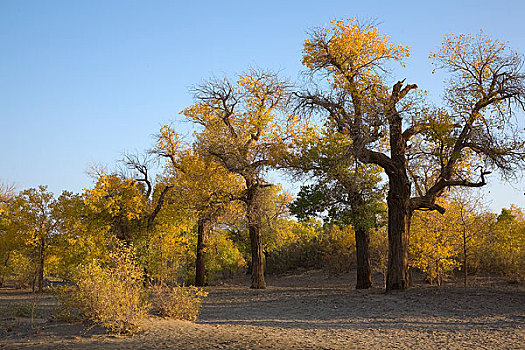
<point>305,311</point>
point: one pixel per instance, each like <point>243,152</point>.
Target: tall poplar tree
<point>422,150</point>
<point>244,129</point>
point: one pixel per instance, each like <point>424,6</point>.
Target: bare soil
<point>301,311</point>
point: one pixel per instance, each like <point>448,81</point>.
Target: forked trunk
<point>399,216</point>
<point>362,241</point>
<point>200,263</point>
<point>398,200</point>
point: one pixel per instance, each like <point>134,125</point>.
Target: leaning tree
<point>423,150</point>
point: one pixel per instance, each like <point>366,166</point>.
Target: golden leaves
<point>116,197</point>
<point>434,238</point>
<point>168,141</point>
<point>243,124</point>
<point>350,52</point>
<point>484,70</point>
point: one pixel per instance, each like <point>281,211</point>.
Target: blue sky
<point>83,81</point>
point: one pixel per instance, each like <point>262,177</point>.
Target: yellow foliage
<point>507,244</point>
<point>485,71</point>
<point>116,197</point>
<point>112,296</point>
<point>171,250</point>
<point>355,52</point>
<point>223,257</point>
<point>178,302</point>
<point>434,241</point>
<point>242,122</point>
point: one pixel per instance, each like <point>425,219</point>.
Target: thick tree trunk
<point>200,263</point>
<point>399,215</point>
<point>398,199</point>
<point>362,241</point>
<point>257,257</point>
<point>254,229</point>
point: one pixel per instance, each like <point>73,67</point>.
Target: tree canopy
<point>390,125</point>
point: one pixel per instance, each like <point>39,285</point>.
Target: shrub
<point>432,243</point>
<point>294,256</point>
<point>22,309</point>
<point>505,245</point>
<point>20,270</point>
<point>379,251</point>
<point>111,296</point>
<point>169,253</point>
<point>177,302</point>
<point>338,247</point>
<point>223,258</point>
<point>311,245</point>
<point>67,309</point>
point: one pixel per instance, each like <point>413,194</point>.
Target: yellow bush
<point>22,269</point>
<point>433,238</point>
<point>338,247</point>
<point>113,296</point>
<point>170,252</point>
<point>177,302</point>
<point>503,248</point>
<point>223,258</point>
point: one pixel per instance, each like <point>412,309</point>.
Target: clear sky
<point>83,81</point>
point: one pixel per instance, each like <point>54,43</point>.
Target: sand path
<point>310,311</point>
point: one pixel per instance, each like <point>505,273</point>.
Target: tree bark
<point>5,268</point>
<point>254,229</point>
<point>40,271</point>
<point>200,263</point>
<point>160,202</point>
<point>399,216</point>
<point>362,241</point>
<point>398,199</point>
<point>465,256</point>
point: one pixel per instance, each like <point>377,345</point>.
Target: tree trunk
<point>254,228</point>
<point>40,271</point>
<point>362,241</point>
<point>465,272</point>
<point>257,257</point>
<point>200,263</point>
<point>399,215</point>
<point>5,267</point>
